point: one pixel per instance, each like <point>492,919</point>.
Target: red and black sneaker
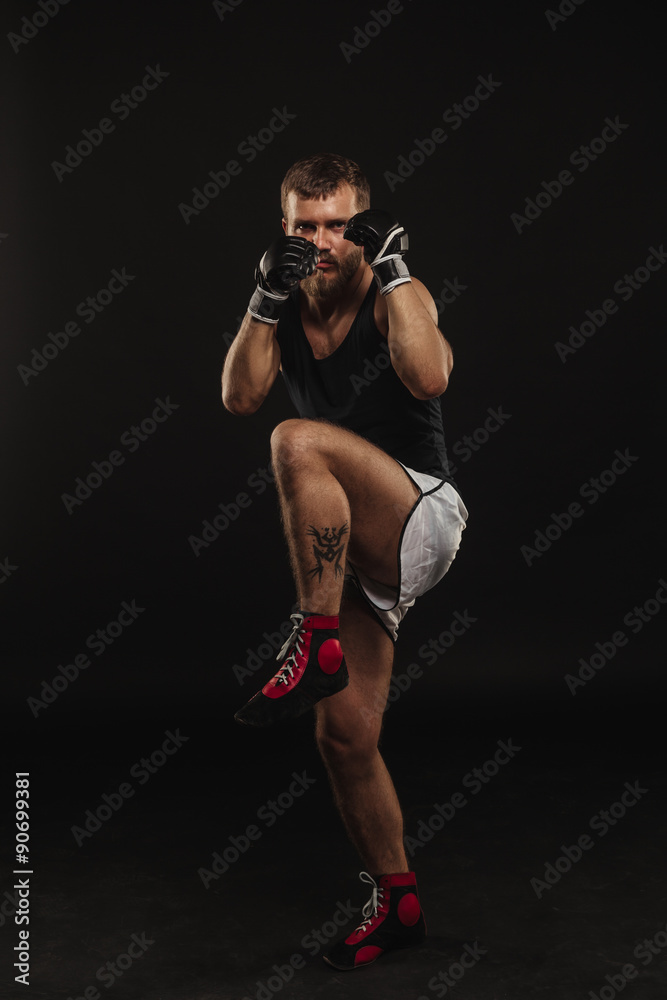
<point>393,919</point>
<point>314,669</point>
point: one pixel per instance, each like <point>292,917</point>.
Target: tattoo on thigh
<point>328,548</point>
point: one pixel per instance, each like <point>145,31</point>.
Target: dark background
<point>166,335</point>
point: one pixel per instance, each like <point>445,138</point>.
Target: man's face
<point>322,221</point>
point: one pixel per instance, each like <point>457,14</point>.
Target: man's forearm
<point>250,367</point>
<point>419,353</point>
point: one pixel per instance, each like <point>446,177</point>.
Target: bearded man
<point>371,513</point>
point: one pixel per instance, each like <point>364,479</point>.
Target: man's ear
<point>284,225</point>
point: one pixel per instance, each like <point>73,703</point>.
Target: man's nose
<point>321,239</point>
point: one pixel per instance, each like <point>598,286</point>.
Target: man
<point>365,495</point>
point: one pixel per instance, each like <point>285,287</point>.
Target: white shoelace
<point>370,910</point>
<point>294,638</point>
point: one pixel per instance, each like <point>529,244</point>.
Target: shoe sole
<point>362,965</point>
<point>351,968</point>
<point>273,722</point>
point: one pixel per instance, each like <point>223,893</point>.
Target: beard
<point>325,288</point>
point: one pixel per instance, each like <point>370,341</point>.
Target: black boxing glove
<point>384,243</point>
<point>283,266</point>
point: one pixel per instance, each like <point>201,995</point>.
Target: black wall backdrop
<point>536,216</point>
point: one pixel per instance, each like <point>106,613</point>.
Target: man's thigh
<point>379,492</point>
<point>355,714</point>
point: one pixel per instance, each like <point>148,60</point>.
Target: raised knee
<point>294,441</point>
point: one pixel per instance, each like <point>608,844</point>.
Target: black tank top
<point>357,387</point>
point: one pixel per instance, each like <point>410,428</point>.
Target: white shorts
<point>428,545</point>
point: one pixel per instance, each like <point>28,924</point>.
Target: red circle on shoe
<point>367,954</point>
<point>408,909</point>
<point>330,656</point>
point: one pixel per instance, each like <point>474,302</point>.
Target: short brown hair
<point>320,175</point>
